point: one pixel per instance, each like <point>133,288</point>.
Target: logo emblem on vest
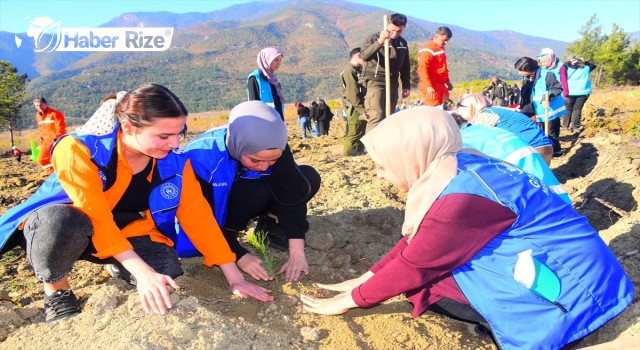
<point>169,191</point>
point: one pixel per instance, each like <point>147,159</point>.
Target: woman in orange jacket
<point>116,192</point>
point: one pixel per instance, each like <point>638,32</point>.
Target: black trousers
<point>458,311</point>
<point>574,106</point>
<point>251,198</point>
<point>554,133</point>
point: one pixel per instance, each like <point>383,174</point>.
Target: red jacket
<point>432,66</point>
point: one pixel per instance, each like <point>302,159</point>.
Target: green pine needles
<point>259,240</point>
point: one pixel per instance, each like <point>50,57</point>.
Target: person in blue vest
<point>247,170</point>
<point>114,197</point>
<point>551,78</point>
<point>579,90</point>
<point>505,145</point>
<point>477,109</point>
<point>262,83</point>
<point>484,242</point>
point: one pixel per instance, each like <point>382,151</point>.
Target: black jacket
<point>373,56</point>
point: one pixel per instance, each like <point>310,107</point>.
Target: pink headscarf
<point>548,60</point>
<point>418,145</point>
<point>265,57</point>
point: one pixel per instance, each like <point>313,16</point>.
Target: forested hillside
<point>212,54</point>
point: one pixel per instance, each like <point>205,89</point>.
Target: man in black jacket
<point>373,73</point>
<point>353,102</point>
<point>498,91</point>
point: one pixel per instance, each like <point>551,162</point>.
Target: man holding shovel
<point>374,69</point>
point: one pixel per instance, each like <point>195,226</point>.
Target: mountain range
<point>212,53</point>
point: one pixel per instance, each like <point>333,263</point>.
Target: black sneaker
<point>61,304</point>
<point>277,238</point>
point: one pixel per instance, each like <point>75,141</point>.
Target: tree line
<point>615,54</point>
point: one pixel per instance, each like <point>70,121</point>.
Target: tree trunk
<point>599,76</point>
<point>11,131</point>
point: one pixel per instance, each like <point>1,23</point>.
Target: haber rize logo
<point>49,36</point>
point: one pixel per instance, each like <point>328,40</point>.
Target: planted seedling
<point>259,240</point>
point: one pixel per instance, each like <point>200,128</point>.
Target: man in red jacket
<point>51,125</point>
<point>432,68</point>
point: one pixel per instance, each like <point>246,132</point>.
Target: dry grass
<point>613,111</point>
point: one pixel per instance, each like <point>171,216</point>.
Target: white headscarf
<point>419,146</point>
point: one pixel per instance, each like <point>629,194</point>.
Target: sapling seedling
<point>259,240</point>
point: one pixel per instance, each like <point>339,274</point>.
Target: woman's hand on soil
<point>245,289</point>
<point>153,292</point>
<point>252,265</point>
<point>347,285</point>
<point>339,304</point>
<point>297,262</point>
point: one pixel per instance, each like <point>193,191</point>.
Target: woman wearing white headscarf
<point>262,83</point>
<point>484,242</point>
<point>247,170</point>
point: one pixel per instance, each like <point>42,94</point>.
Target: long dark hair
<point>526,64</point>
<point>141,106</point>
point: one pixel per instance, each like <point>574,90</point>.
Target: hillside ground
<point>354,220</point>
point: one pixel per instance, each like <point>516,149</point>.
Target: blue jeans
<point>305,124</point>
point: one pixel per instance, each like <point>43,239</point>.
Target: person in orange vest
<point>51,125</point>
<point>432,68</point>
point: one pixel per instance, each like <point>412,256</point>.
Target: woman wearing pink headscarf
<point>262,84</point>
<point>484,242</point>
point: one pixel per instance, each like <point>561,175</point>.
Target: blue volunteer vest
<point>507,146</point>
<point>593,286</point>
<point>211,163</point>
<point>265,88</point>
<point>556,105</point>
<point>520,125</point>
<point>579,81</point>
<point>163,202</point>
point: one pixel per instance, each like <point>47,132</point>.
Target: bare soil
<point>354,220</point>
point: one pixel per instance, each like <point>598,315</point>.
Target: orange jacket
<point>432,66</point>
<point>51,125</point>
<point>80,179</point>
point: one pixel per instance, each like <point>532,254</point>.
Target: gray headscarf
<point>254,127</point>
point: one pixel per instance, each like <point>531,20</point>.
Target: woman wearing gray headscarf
<point>262,84</point>
<point>247,170</point>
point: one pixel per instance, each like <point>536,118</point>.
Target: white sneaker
<point>112,270</point>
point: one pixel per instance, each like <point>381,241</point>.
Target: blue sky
<point>563,18</point>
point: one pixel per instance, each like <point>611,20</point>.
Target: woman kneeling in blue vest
<point>114,196</point>
<point>246,169</point>
<point>483,242</point>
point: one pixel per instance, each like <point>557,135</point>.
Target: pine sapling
<point>259,240</point>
